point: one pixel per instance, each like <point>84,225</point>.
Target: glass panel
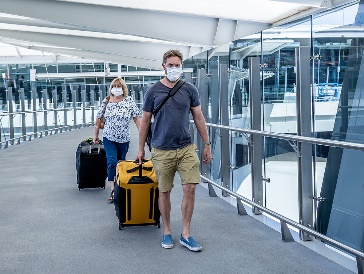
<point>68,68</point>
<point>240,51</point>
<point>279,114</point>
<point>281,168</point>
<point>338,81</point>
<point>279,75</point>
<point>241,174</point>
<point>113,67</point>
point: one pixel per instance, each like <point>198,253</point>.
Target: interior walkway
<point>48,226</point>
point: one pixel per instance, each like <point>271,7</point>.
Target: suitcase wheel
<point>120,226</point>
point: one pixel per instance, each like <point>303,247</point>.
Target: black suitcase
<point>91,165</point>
<point>136,194</point>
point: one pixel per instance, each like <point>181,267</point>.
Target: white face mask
<point>173,74</point>
<point>117,91</point>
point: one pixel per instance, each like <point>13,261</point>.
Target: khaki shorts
<point>166,162</point>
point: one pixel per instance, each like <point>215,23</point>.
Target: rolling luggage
<point>136,194</point>
<point>91,165</point>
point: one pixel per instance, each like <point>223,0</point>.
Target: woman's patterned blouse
<point>117,119</point>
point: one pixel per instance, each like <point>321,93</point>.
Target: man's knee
<point>164,194</point>
<point>189,188</point>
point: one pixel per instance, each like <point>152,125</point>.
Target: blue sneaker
<point>190,243</point>
<point>167,241</point>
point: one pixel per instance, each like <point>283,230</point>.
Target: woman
<point>118,108</point>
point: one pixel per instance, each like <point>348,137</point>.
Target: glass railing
<point>281,187</point>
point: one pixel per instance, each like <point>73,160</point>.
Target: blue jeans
<point>114,152</point>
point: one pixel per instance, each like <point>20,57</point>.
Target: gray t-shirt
<point>171,124</point>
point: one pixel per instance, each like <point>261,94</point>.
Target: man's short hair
<point>171,53</point>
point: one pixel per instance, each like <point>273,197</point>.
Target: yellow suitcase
<point>136,194</point>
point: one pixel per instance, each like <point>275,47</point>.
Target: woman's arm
<point>137,121</point>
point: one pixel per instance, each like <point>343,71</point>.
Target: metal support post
<point>92,95</point>
<point>55,106</point>
<point>286,233</point>
<point>213,88</point>
<point>224,134</point>
<point>188,77</point>
<point>241,207</point>
<point>303,106</point>
<point>34,108</point>
<point>83,98</point>
<point>65,107</point>
<point>74,90</point>
<point>360,265</point>
<point>45,111</point>
<point>102,93</point>
<point>22,106</point>
<point>11,115</point>
<point>204,99</point>
<point>256,141</point>
<point>212,192</point>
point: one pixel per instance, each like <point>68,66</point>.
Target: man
<point>172,148</point>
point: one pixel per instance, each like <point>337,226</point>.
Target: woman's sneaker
<point>190,243</point>
<point>167,241</point>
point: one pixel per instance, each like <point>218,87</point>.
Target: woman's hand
<point>96,140</point>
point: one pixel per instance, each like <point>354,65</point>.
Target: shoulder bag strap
<point>172,92</point>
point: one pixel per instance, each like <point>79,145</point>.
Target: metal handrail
<point>303,139</point>
<point>46,110</point>
<point>284,220</point>
<point>45,131</point>
<point>359,255</point>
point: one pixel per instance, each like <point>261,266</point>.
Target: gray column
<point>22,106</point>
<point>213,87</point>
<point>55,106</point>
<point>224,133</point>
<point>74,103</point>
<point>11,116</point>
<point>45,111</point>
<point>92,97</point>
<point>188,77</point>
<point>35,114</point>
<point>65,107</point>
<point>256,141</point>
<point>102,93</point>
<point>83,98</point>
<point>303,106</point>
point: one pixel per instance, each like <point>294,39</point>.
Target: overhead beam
<point>39,59</point>
<point>325,4</point>
<point>79,54</point>
<point>193,30</point>
<point>142,50</point>
<point>312,3</point>
<point>99,74</point>
<point>112,58</point>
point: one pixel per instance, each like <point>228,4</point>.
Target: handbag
<point>172,92</point>
<point>101,121</point>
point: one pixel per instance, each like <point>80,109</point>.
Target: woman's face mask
<point>173,74</point>
<point>117,91</point>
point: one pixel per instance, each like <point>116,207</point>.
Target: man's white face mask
<point>117,91</point>
<point>173,74</point>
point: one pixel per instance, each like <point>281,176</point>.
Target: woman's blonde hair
<point>123,86</point>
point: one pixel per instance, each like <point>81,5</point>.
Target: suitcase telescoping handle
<point>93,146</point>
